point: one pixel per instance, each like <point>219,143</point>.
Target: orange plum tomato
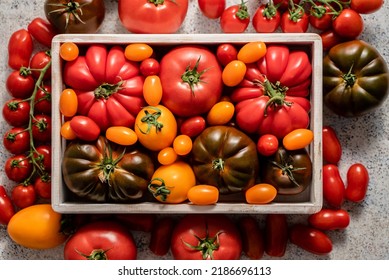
<point>220,113</point>
<point>252,52</point>
<point>182,145</point>
<point>167,156</point>
<point>138,51</point>
<point>68,102</point>
<point>67,132</point>
<point>233,73</point>
<point>121,135</point>
<point>297,139</point>
<point>152,90</point>
<point>171,183</point>
<point>203,194</point>
<point>260,194</point>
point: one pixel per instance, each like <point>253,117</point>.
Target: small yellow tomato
<point>182,144</point>
<point>252,52</point>
<point>68,51</point>
<point>203,194</point>
<point>37,227</point>
<point>297,139</point>
<point>260,194</point>
<point>121,135</point>
<point>152,90</point>
<point>171,183</point>
<point>68,102</point>
<point>138,51</point>
<point>234,73</point>
<point>220,113</point>
<point>67,132</point>
<point>167,156</point>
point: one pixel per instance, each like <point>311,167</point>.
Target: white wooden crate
<point>310,201</point>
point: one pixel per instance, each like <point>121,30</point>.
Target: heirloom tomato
<point>253,245</point>
<point>156,127</point>
<point>206,237</point>
<point>75,16</point>
<point>235,18</point>
<point>225,157</point>
<point>6,207</point>
<point>104,172</point>
<point>212,9</point>
<point>152,16</point>
<point>20,83</point>
<point>276,235</point>
<point>42,31</point>
<point>267,18</point>
<point>20,47</point>
<point>333,186</point>
<point>290,172</point>
<point>355,78</point>
<point>357,182</point>
<point>310,239</point>
<point>329,219</point>
<point>171,183</point>
<point>108,87</point>
<point>191,80</point>
<point>101,240</point>
<point>37,227</point>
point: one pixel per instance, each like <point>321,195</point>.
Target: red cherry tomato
<point>253,245</point>
<point>42,31</point>
<point>267,144</point>
<point>330,38</point>
<point>23,195</point>
<point>20,46</point>
<point>149,67</point>
<point>235,19</point>
<point>85,128</point>
<point>310,239</point>
<point>18,168</point>
<point>266,19</point>
<point>348,24</point>
<point>16,112</point>
<point>20,83</point>
<point>212,9</point>
<point>17,140</point>
<point>333,186</point>
<point>41,128</point>
<point>193,126</point>
<point>42,156</point>
<point>226,53</point>
<point>42,186</point>
<point>330,219</point>
<point>276,235</point>
<point>294,21</point>
<point>6,207</point>
<point>332,149</point>
<point>357,182</point>
<point>39,61</point>
<point>320,17</point>
<point>42,102</point>
<point>161,235</point>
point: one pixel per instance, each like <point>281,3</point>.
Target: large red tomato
<point>109,88</point>
<point>198,237</point>
<point>191,80</point>
<point>101,240</point>
<point>152,16</point>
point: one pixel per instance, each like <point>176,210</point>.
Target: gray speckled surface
<point>364,139</point>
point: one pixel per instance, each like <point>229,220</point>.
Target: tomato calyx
<point>276,94</point>
<point>158,189</point>
<point>152,120</point>
<point>296,12</point>
<point>105,90</point>
<point>191,76</point>
<point>218,164</point>
<point>349,78</point>
<point>24,71</point>
<point>270,10</point>
<point>159,2</point>
<point>242,12</point>
<point>287,168</point>
<point>108,165</point>
<point>72,9</point>
<point>96,254</point>
<point>206,245</point>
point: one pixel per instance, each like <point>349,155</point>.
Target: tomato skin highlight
<point>332,149</point>
<point>330,219</point>
<point>310,239</point>
<point>260,194</point>
<point>357,183</point>
<point>333,186</point>
<point>203,194</point>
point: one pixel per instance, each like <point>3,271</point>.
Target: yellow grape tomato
<point>138,51</point>
<point>260,194</point>
<point>221,113</point>
<point>167,156</point>
<point>234,73</point>
<point>68,102</point>
<point>203,194</point>
<point>121,135</point>
<point>252,52</point>
<point>297,139</point>
<point>152,90</point>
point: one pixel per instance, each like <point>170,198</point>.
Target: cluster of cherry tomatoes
<point>28,112</point>
<point>336,20</point>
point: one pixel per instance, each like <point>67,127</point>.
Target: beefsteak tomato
<point>103,172</point>
<point>355,78</point>
<point>109,88</point>
<point>191,80</point>
<point>205,237</point>
<point>152,16</point>
<point>101,240</point>
<point>226,158</point>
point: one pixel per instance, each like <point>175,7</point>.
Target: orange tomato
<point>171,183</point>
<point>203,194</point>
<point>297,139</point>
<point>68,51</point>
<point>252,52</point>
<point>152,90</point>
<point>68,102</point>
<point>67,132</point>
<point>167,156</point>
<point>121,135</point>
<point>234,73</point>
<point>260,194</point>
<point>138,51</point>
<point>221,113</point>
<point>182,144</point>
<point>156,127</point>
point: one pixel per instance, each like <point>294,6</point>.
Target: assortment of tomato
<point>239,125</point>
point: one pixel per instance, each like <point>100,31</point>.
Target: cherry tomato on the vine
<point>17,140</point>
<point>357,182</point>
<point>294,21</point>
<point>203,194</point>
<point>23,195</point>
<point>320,17</point>
<point>235,19</point>
<point>39,61</point>
<point>41,128</point>
<point>42,186</point>
<point>16,112</point>
<point>42,101</point>
<point>212,9</point>
<point>42,156</point>
<point>18,168</point>
<point>20,83</point>
<point>266,19</point>
<point>330,38</point>
<point>348,24</point>
<point>69,51</point>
